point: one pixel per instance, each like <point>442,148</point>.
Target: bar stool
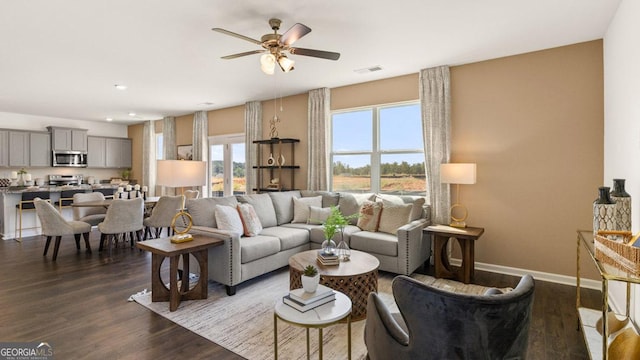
<point>26,203</point>
<point>66,198</point>
<point>107,192</point>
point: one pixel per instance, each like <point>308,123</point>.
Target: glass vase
<point>343,251</point>
<point>329,247</point>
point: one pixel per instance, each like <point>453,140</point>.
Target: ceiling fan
<point>274,47</point>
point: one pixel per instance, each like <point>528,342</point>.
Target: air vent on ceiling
<point>369,69</point>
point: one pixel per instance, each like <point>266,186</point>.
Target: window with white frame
<point>378,149</point>
<point>159,148</point>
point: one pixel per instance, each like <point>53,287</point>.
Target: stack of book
<point>304,301</point>
<point>328,259</point>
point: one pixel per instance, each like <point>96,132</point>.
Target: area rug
<point>243,323</point>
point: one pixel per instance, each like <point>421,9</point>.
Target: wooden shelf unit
<point>276,170</point>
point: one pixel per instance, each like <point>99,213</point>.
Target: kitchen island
<point>11,196</point>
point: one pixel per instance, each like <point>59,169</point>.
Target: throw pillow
<point>418,203</point>
<point>318,215</point>
<point>350,204</point>
<point>250,221</point>
<point>228,218</point>
<point>393,217</point>
<point>301,208</point>
<point>369,215</point>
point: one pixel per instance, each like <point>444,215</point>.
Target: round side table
<point>319,318</point>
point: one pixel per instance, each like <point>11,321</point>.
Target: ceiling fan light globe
<point>268,63</point>
<point>285,63</point>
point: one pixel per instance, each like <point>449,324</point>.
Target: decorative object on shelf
<point>271,161</point>
<point>458,174</point>
<point>21,177</point>
<point>310,279</point>
<point>126,173</point>
<point>14,178</point>
<point>625,345</point>
<point>274,184</point>
<point>281,160</point>
<point>623,205</point>
<point>604,211</point>
<point>185,152</point>
<point>273,133</point>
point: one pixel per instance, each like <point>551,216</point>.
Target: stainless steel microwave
<point>69,158</point>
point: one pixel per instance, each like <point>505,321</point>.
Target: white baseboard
<point>538,275</point>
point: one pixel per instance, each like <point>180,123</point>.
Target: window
<point>227,157</point>
<point>159,148</point>
<point>378,149</point>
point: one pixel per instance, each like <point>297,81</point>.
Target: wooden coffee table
<point>163,248</point>
<point>356,278</point>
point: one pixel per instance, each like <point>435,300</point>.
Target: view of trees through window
<point>386,156</point>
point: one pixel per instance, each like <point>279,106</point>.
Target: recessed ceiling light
<point>120,86</point>
<point>132,114</point>
<point>109,119</point>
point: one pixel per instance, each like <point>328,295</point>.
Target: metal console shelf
<point>277,151</point>
<point>597,343</point>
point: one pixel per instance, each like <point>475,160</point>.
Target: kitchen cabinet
<point>4,148</point>
<point>18,148</point>
<point>39,149</point>
<point>107,152</point>
<point>68,139</point>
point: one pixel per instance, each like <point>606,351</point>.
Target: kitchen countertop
<point>21,189</point>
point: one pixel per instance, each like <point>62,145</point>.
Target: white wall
<point>40,123</point>
<point>622,115</point>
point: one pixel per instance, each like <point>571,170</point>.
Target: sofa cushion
<point>264,208</point>
<point>350,204</point>
<point>301,208</point>
<point>289,237</point>
<point>228,218</point>
<point>250,221</point>
<point>318,215</point>
<point>417,211</point>
<point>202,210</point>
<point>257,247</point>
<point>369,216</point>
<point>328,198</point>
<point>316,234</point>
<point>282,203</point>
<point>375,242</point>
<point>394,216</point>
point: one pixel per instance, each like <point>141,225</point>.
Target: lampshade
<point>285,63</point>
<point>458,173</point>
<point>268,63</point>
<point>181,173</point>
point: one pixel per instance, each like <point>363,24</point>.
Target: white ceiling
<point>62,58</point>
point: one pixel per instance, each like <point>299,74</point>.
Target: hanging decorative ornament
<point>274,132</point>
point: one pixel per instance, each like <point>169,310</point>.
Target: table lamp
<point>181,173</point>
<point>458,174</point>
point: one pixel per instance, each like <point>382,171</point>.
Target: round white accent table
<point>319,318</point>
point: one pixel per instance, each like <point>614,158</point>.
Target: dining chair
<point>26,204</point>
<point>66,198</point>
<point>91,215</point>
<point>123,217</point>
<point>53,224</point>
<point>162,215</point>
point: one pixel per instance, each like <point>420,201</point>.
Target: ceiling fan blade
<point>294,33</point>
<point>233,56</point>
<point>231,33</point>
<point>315,53</point>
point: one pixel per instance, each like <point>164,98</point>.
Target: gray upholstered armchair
<point>437,324</point>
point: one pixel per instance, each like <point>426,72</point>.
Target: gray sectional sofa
<point>242,258</point>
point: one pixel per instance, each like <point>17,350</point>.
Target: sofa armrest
<point>413,250</point>
<point>224,260</point>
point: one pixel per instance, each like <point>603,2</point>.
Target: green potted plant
<point>336,222</point>
<point>310,278</point>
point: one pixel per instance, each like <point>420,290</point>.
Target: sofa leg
<point>231,290</point>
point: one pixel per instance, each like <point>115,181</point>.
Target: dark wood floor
<point>78,304</point>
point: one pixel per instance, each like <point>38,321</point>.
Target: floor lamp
<point>180,174</point>
<point>458,174</point>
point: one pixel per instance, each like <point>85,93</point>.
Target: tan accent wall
<point>534,125</point>
<point>184,130</point>
<point>134,132</point>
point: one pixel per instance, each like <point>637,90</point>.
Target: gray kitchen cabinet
<point>4,148</point>
<point>96,152</point>
<point>18,148</point>
<point>118,153</point>
<point>108,152</point>
<point>39,149</point>
<point>68,139</point>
